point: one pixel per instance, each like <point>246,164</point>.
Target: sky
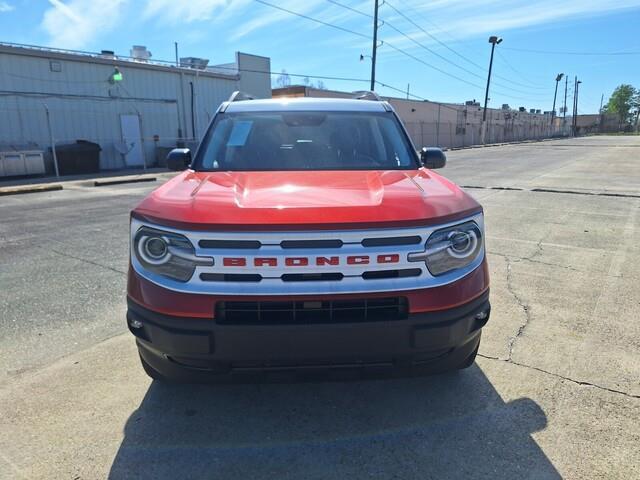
<point>438,48</point>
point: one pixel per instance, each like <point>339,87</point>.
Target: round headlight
<point>463,243</point>
<point>452,248</point>
<point>153,249</point>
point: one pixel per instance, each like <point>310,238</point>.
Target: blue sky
<point>215,29</point>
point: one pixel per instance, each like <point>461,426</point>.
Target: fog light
<point>135,323</point>
<point>482,315</point>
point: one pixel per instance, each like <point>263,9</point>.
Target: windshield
<point>306,141</point>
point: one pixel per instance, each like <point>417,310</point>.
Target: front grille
<point>311,244</point>
<point>230,277</point>
<point>312,312</point>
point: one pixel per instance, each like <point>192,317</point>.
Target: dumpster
<point>79,157</point>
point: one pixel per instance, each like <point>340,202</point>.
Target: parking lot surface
<point>555,392</point>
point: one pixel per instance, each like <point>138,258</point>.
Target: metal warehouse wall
<point>452,125</point>
<point>83,104</point>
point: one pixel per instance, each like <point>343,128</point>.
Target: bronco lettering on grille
<point>305,261</point>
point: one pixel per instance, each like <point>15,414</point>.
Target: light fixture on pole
<point>493,40</point>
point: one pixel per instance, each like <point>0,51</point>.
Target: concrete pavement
<point>556,392</point>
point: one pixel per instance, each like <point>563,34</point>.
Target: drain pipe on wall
<point>51,140</point>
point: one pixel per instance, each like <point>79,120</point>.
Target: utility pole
<point>601,121</point>
<point>601,100</point>
<point>375,46</point>
<point>577,92</point>
<point>575,106</point>
<point>493,40</point>
<point>573,111</point>
<point>408,86</point>
<point>564,115</point>
<point>175,44</point>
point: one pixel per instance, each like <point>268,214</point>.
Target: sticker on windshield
<point>239,133</point>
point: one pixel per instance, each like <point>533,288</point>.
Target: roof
<point>307,104</point>
<point>219,71</point>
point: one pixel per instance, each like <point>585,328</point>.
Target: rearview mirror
<point>179,159</point>
<point>432,158</point>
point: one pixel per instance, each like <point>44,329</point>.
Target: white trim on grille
<point>272,283</point>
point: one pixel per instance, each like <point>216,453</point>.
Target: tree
<point>623,102</point>
<point>283,80</point>
<point>321,85</point>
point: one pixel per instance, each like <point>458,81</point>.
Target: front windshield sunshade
<point>258,141</point>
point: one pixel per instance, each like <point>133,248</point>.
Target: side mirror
<point>433,158</point>
<point>179,159</point>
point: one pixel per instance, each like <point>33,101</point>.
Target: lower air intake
<point>312,312</point>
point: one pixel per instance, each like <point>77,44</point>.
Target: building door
<point>132,139</point>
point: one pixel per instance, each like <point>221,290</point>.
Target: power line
<point>354,10</point>
<point>390,25</point>
<point>393,47</point>
<point>550,52</point>
<point>363,36</point>
<point>408,19</point>
<point>301,15</point>
<point>417,59</point>
<point>451,62</point>
<point>514,69</point>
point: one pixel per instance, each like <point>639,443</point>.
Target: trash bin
<point>79,157</point>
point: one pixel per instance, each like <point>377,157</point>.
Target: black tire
<point>152,372</point>
<point>470,360</point>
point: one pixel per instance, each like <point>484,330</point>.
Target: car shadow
<point>448,426</point>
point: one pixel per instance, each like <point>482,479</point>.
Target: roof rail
<point>366,95</point>
<point>238,96</point>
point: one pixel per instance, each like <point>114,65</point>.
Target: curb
<point>104,183</point>
<point>29,189</point>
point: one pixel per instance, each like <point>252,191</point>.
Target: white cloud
<point>76,23</point>
<point>6,7</point>
<point>175,11</point>
<point>465,18</point>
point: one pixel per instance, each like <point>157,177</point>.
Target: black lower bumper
<point>202,350</point>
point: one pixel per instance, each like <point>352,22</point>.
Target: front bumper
<point>197,349</point>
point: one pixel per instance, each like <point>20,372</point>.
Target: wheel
<point>152,372</point>
<point>470,359</point>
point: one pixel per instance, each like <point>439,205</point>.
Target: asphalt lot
<point>554,394</point>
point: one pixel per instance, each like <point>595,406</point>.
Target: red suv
<point>306,236</point>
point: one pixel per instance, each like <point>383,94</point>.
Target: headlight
<point>451,248</point>
<point>167,254</point>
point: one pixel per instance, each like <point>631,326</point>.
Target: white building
<point>154,105</point>
<point>449,124</point>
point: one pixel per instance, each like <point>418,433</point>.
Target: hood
<point>295,199</point>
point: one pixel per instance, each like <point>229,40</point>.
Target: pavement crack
<point>524,306</point>
<point>86,261</point>
<point>562,377</point>
<point>554,190</point>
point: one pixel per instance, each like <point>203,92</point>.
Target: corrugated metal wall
<point>83,104</point>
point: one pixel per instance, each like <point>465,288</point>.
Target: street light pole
<point>576,115</point>
<point>493,40</point>
<point>575,105</point>
<point>553,110</point>
<point>564,114</point>
<point>375,46</point>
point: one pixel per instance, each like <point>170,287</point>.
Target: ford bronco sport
<point>306,236</point>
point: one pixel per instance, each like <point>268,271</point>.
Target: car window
<point>305,141</point>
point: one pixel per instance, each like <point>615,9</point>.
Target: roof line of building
<point>116,60</point>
